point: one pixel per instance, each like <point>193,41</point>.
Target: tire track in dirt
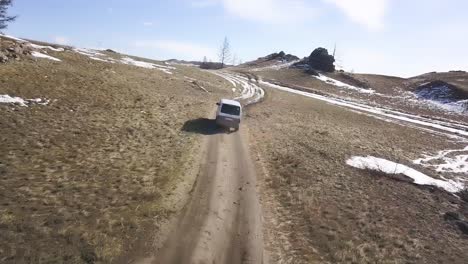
<point>222,221</point>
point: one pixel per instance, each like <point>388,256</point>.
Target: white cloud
<point>148,24</point>
<point>271,11</point>
<point>369,13</point>
<point>265,11</point>
<point>61,40</point>
<point>180,50</point>
<point>368,60</point>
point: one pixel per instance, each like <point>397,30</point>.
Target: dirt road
<point>222,222</point>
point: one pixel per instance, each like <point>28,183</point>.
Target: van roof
<point>230,102</point>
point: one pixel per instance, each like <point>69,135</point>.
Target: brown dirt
<point>319,210</point>
<point>222,221</point>
<point>86,178</point>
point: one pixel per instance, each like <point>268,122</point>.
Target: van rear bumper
<point>227,122</point>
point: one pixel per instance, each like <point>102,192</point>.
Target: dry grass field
<point>83,178</point>
<point>320,210</point>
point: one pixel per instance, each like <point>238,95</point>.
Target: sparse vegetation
<point>319,210</point>
<point>82,179</point>
<point>211,65</point>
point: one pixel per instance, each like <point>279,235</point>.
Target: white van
<point>229,113</point>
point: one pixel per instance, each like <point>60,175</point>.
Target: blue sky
<point>396,37</point>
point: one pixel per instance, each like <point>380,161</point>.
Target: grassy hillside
<point>387,91</point>
<point>86,177</point>
<point>320,210</point>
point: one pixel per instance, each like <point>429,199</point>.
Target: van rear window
<point>230,109</point>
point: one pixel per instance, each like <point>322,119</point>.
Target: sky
<point>393,37</point>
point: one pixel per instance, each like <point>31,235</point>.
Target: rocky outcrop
<point>10,50</point>
<point>3,57</point>
<point>280,56</point>
<point>320,60</point>
<point>302,64</point>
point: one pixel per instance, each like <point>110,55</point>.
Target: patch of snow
<point>391,167</point>
<point>6,99</point>
<point>39,101</point>
<point>88,52</point>
<point>13,38</point>
<point>229,79</point>
<point>339,84</point>
<point>103,60</point>
<point>440,96</point>
<point>35,46</point>
<point>457,107</point>
<point>142,64</point>
<point>43,56</point>
<point>45,47</point>
<point>98,56</point>
<point>226,77</point>
<point>455,161</point>
<point>147,65</point>
<point>250,91</point>
<point>95,55</point>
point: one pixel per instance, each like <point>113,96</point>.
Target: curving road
<point>222,221</point>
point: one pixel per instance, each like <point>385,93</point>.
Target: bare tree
<point>234,59</point>
<point>4,18</point>
<point>224,52</point>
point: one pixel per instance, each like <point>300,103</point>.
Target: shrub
<point>211,65</point>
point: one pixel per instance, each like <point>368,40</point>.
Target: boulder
<point>3,58</point>
<point>290,57</point>
<point>14,51</point>
<point>320,60</point>
<point>302,64</point>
